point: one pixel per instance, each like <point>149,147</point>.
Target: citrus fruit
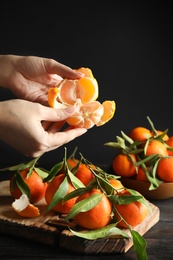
<point>140,133</point>
<point>165,169</point>
<point>159,132</point>
<point>156,147</point>
<point>87,115</point>
<point>117,185</point>
<point>52,187</point>
<point>82,93</point>
<point>109,108</point>
<point>133,213</point>
<point>169,142</point>
<point>141,175</point>
<point>35,183</point>
<point>97,217</point>
<point>123,165</point>
<point>24,208</point>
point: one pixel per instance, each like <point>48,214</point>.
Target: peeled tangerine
<point>83,94</point>
<point>24,208</point>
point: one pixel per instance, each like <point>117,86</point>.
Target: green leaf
<point>118,199</point>
<point>84,205</point>
<point>59,194</point>
<point>127,138</point>
<point>139,245</point>
<point>17,167</point>
<point>55,170</point>
<point>19,181</point>
<point>75,181</point>
<point>113,144</point>
<point>105,232</point>
<point>41,172</point>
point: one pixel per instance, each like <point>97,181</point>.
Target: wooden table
<point>159,242</point>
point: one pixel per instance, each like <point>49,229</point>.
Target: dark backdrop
<point>128,47</point>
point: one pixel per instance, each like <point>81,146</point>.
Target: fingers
<point>57,115</point>
<point>60,138</point>
<point>54,67</point>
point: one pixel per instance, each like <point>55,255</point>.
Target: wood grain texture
<point>51,229</point>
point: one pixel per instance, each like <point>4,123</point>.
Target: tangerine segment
<point>86,71</point>
<point>109,111</point>
<point>87,116</point>
<point>24,208</point>
<point>52,98</point>
<point>84,90</point>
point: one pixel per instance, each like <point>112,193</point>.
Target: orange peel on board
<point>24,208</point>
<point>83,94</point>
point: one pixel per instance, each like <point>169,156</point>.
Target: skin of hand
<point>30,77</point>
<point>30,131</point>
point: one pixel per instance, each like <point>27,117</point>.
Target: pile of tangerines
<point>145,154</point>
<point>79,189</point>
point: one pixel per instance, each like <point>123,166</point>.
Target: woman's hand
<point>27,127</point>
<point>30,77</point>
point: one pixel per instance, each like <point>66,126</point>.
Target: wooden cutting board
<point>51,228</point>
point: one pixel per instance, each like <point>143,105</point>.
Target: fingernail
<point>70,110</point>
<point>80,74</point>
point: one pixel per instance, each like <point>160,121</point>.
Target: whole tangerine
<point>169,142</point>
<point>140,133</point>
<point>35,183</point>
<point>123,165</point>
<point>52,187</point>
<point>165,169</point>
<point>97,217</point>
<point>156,147</point>
<point>133,213</point>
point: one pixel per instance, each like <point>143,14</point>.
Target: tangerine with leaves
<point>140,133</point>
<point>132,213</point>
<point>34,182</point>
<point>97,217</point>
<point>165,169</point>
<point>81,170</point>
<point>83,94</point>
<point>159,132</point>
<point>117,185</point>
<point>52,187</point>
<point>156,147</point>
<point>124,165</point>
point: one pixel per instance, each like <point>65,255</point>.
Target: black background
<point>127,45</point>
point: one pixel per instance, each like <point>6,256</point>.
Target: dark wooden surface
<point>159,242</point>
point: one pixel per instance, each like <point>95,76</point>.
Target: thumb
<point>60,114</point>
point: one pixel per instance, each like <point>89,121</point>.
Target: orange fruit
<point>140,133</point>
<point>133,213</point>
<point>52,187</point>
<point>141,175</point>
<point>156,147</point>
<point>118,186</point>
<point>170,143</point>
<point>35,183</point>
<point>97,217</point>
<point>123,165</point>
<point>24,208</point>
<point>83,172</point>
<point>87,115</point>
<point>159,132</point>
<point>165,169</point>
<point>109,108</point>
<point>83,94</point>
